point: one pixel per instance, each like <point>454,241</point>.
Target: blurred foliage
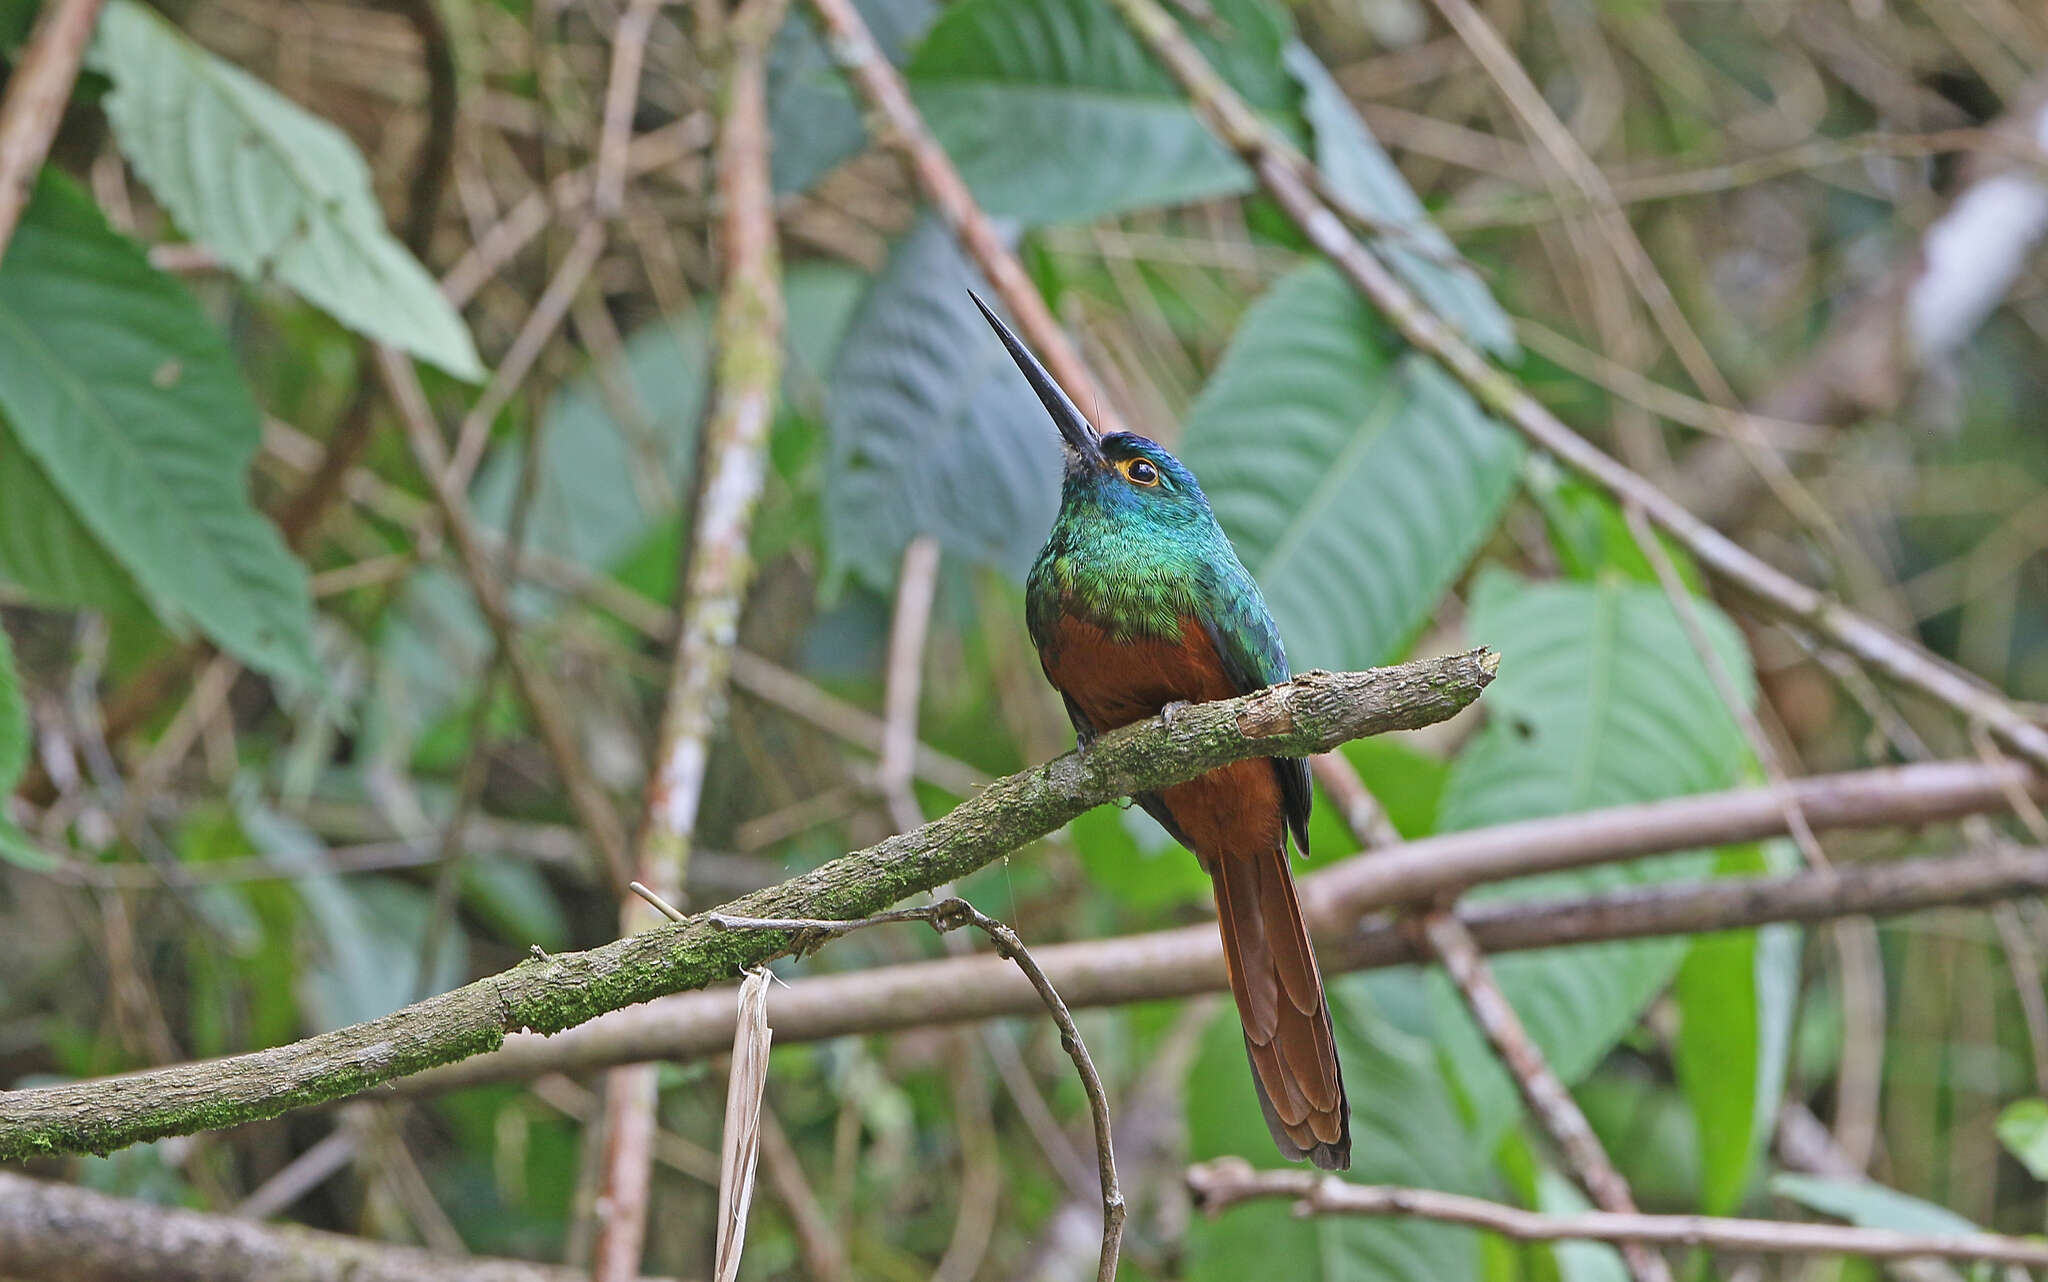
<point>203,859</point>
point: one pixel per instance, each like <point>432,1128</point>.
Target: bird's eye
<point>1139,471</point>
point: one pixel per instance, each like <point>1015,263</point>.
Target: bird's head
<point>1121,473</point>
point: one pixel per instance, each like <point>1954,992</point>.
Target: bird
<point>1138,606</point>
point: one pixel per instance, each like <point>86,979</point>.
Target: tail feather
<point>1279,993</point>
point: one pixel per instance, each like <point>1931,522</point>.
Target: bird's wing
<point>1248,641</point>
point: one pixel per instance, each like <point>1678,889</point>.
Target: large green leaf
<point>1360,170</point>
<point>129,400</point>
<point>932,429</point>
<point>811,113</point>
<point>1355,482</point>
<point>1054,111</point>
<point>270,188</point>
<point>1601,701</point>
<point>1736,994</point>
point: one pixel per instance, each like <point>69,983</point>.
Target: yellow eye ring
<point>1138,471</point>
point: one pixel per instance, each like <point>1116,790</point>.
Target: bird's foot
<point>807,941</point>
<point>1172,711</point>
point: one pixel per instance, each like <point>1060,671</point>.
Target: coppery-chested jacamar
<point>1138,603</point>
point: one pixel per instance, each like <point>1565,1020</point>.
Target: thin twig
<point>1224,1183</point>
<point>949,915</point>
<point>762,678</point>
<point>567,194</point>
<point>37,89</point>
<point>879,84</point>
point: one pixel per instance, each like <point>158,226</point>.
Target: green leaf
<point>1355,482</point>
<point>613,460</point>
<point>932,431</point>
<point>1360,170</point>
<point>1130,859</point>
<point>515,900</point>
<point>1590,535</point>
<point>1600,701</point>
<point>129,400</point>
<point>272,189</point>
<point>1736,994</point>
<point>1870,1205</point>
<point>1054,111</point>
<point>811,113</point>
<point>1408,784</point>
<point>46,552</point>
<point>2023,1129</point>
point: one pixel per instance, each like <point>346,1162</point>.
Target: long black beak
<point>1079,434</point>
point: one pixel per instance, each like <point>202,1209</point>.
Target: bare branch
<point>37,90</point>
<point>1438,931</point>
<point>62,1233</point>
<point>1189,960</point>
<point>550,713</point>
<point>1225,1183</point>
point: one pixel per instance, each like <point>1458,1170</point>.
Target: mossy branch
<point>1312,713</point>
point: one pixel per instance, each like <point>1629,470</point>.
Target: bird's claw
<point>1172,711</point>
<point>807,941</point>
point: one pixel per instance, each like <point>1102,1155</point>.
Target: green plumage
<point>1137,561</point>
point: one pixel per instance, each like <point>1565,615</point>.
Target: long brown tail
<point>1279,994</point>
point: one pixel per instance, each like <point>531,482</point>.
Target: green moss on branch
<point>1312,713</point>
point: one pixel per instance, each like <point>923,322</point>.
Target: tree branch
<point>1221,1184</point>
<point>1312,713</point>
<point>37,90</point>
<point>62,1233</point>
<point>1189,960</point>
